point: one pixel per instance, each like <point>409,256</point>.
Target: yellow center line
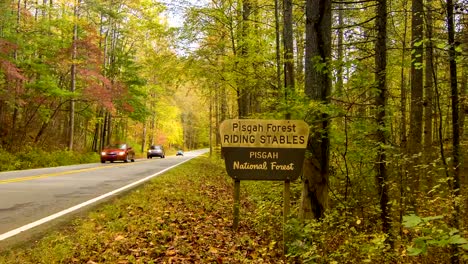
<point>47,175</point>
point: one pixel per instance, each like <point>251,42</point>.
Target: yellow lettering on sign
<point>263,155</point>
<point>249,166</point>
<point>276,166</point>
<point>257,133</point>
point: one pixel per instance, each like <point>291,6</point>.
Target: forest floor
<point>184,216</point>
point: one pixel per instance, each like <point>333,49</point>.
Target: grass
<point>183,216</point>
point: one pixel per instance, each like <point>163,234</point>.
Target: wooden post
<point>286,206</point>
<point>236,204</point>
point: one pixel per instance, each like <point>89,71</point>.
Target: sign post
<point>269,150</point>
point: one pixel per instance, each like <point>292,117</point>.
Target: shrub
<point>8,161</point>
<point>30,158</point>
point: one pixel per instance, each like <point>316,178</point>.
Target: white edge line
<point>79,206</point>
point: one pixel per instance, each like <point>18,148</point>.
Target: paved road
<point>31,198</point>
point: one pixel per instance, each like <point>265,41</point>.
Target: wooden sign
<point>264,149</point>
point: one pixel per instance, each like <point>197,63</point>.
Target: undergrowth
<point>185,216</point>
<point>31,158</point>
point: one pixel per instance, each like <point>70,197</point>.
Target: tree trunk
<point>416,113</point>
<point>288,51</point>
<point>381,105</point>
<point>464,80</point>
<point>455,183</point>
<point>317,88</point>
<point>143,137</point>
<point>278,46</point>
<point>416,77</point>
<point>403,89</point>
<point>71,119</point>
<point>429,96</point>
<point>339,71</point>
<point>243,92</point>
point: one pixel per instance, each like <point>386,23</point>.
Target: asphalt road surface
<point>31,199</point>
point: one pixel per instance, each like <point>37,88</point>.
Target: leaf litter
<point>183,216</point>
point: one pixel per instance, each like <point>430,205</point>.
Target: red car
<point>120,151</point>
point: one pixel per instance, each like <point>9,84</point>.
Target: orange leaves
<point>10,70</point>
<point>6,47</point>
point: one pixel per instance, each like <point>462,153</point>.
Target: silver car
<point>155,151</point>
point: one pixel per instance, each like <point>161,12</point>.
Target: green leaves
<point>431,233</point>
<point>411,220</point>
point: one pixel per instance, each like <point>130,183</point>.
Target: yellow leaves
<point>171,252</point>
<point>119,237</point>
<point>213,250</point>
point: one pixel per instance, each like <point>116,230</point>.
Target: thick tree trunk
<point>381,105</point>
<point>416,111</point>
<point>243,92</point>
<point>318,88</point>
<point>416,77</point>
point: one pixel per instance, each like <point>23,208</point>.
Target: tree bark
<point>317,88</point>
<point>71,119</point>
<point>381,105</point>
<point>464,80</point>
<point>429,96</point>
<point>455,183</point>
<point>340,50</point>
<point>429,85</point>
<point>416,77</point>
<point>416,111</point>
<point>277,46</point>
<point>243,91</point>
<point>289,79</point>
<point>403,97</point>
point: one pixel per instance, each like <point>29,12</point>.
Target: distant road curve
<point>31,199</point>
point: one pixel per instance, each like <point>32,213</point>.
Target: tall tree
<point>244,50</point>
<point>416,111</point>
<point>456,154</point>
<point>381,106</point>
<point>429,81</point>
<point>416,117</point>
<point>464,77</point>
<point>71,124</point>
<point>289,79</point>
<point>277,45</point>
<point>340,50</point>
<point>317,88</point>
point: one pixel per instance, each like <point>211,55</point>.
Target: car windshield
<point>155,147</point>
<point>117,146</point>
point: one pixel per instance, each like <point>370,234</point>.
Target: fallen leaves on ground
<point>184,216</point>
